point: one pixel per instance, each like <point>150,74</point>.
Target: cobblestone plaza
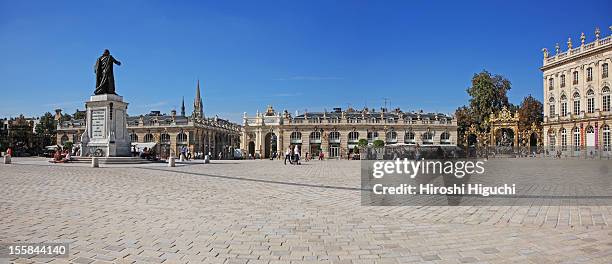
<point>260,211</point>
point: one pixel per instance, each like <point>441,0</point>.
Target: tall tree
<point>46,130</point>
<point>65,117</point>
<point>531,112</point>
<point>464,120</point>
<point>488,94</point>
<point>3,137</point>
<point>79,114</point>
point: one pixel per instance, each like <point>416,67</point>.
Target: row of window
<point>605,103</point>
<point>575,77</point>
<point>164,138</point>
<point>376,120</point>
<point>391,137</point>
<point>552,137</point>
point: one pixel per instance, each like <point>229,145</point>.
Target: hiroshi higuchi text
<point>455,189</point>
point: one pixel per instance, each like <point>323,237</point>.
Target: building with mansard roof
<point>338,132</point>
<point>168,133</point>
<point>577,116</point>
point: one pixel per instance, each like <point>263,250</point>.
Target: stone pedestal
<point>7,159</point>
<point>171,162</point>
<point>107,134</point>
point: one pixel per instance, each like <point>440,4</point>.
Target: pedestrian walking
<point>288,155</point>
<point>296,153</point>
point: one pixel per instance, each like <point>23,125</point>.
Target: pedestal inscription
<point>106,134</point>
<point>97,123</point>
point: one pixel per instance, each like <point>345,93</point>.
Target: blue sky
<point>295,55</point>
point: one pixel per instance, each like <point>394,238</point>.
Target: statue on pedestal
<point>105,78</point>
<point>106,134</point>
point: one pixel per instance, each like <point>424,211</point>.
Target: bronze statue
<point>105,79</point>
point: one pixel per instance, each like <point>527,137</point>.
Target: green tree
<point>3,138</point>
<point>79,114</point>
<point>65,117</point>
<point>464,118</point>
<point>531,111</point>
<point>488,95</point>
<point>378,143</point>
<point>68,145</point>
<point>362,143</point>
<point>46,130</point>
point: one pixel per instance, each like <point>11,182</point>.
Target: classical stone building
<point>167,134</point>
<point>577,116</point>
<point>19,133</point>
<point>336,133</point>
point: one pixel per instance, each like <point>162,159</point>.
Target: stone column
<point>173,146</point>
<point>279,141</point>
<point>401,134</point>
<point>209,143</point>
<point>215,151</point>
<point>344,144</point>
<point>286,140</point>
<point>258,143</point>
<point>325,143</point>
<point>305,144</point>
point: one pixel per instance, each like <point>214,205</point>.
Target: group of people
<point>150,154</point>
<point>144,153</point>
<point>293,155</point>
<point>61,156</point>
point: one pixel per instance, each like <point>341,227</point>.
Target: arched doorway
<point>63,140</point>
<point>590,138</point>
<point>472,144</point>
<point>270,145</point>
<point>472,140</point>
<point>296,140</point>
<point>533,142</point>
<point>251,149</point>
<point>315,143</point>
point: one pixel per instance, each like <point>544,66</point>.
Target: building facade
<point>19,133</point>
<point>577,116</point>
<point>338,132</point>
<point>168,134</point>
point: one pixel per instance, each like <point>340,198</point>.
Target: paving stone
<point>83,260</point>
<point>264,212</point>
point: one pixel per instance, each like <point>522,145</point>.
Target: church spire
<point>198,110</point>
<point>183,107</point>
